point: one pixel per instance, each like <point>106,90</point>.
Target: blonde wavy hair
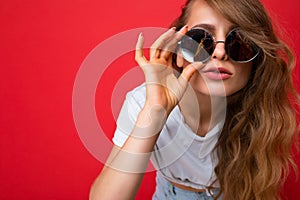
<point>254,148</point>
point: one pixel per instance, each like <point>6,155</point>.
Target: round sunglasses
<point>198,45</point>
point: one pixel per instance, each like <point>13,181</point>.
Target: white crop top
<point>179,154</point>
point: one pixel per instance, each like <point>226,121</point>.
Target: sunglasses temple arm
<point>199,47</point>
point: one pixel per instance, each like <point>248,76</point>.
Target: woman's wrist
<point>150,121</point>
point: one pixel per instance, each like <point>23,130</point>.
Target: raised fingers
<point>159,44</point>
<point>139,51</point>
<point>170,46</point>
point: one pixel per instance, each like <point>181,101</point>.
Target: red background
<point>42,45</point>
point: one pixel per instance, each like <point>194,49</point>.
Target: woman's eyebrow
<point>211,28</point>
<point>207,27</point>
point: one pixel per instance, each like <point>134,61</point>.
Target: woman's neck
<point>202,112</point>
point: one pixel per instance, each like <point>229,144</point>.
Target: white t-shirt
<point>179,154</point>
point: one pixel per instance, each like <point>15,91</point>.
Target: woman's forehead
<point>201,13</point>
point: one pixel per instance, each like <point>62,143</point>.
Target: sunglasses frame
<point>215,42</point>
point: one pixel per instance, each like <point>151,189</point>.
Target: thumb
<point>188,71</point>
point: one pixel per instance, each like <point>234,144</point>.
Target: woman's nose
<point>219,51</point>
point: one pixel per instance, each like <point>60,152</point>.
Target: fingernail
<point>140,35</point>
<point>197,65</point>
<point>173,28</point>
<point>184,27</point>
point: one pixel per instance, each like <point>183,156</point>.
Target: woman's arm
<point>125,167</point>
<point>124,170</point>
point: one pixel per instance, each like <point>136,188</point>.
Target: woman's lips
<point>217,73</point>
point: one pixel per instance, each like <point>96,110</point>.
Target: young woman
<point>221,125</point>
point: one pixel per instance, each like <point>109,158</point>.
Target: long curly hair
<point>254,148</point>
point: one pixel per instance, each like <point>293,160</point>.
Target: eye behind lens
<point>240,48</point>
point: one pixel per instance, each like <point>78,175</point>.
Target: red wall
<point>42,46</point>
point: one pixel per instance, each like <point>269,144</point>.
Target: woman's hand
<point>163,88</point>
